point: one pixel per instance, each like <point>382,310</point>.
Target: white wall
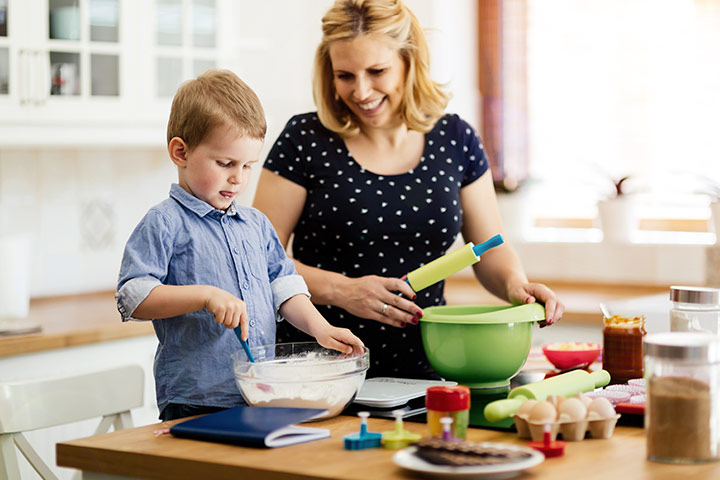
<point>78,207</point>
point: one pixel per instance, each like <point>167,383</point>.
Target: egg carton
<point>570,431</point>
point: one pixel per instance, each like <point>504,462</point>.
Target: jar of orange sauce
<point>623,354</point>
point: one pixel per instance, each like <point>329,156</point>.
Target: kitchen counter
<point>72,321</point>
<point>92,318</point>
<point>143,453</point>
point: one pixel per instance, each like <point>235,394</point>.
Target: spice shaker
<point>444,401</point>
<point>682,409</point>
<point>622,353</point>
<point>695,309</point>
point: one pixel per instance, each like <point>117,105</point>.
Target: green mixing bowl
<point>481,346</point>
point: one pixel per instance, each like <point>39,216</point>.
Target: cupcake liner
<point>632,389</point>
<point>613,396</point>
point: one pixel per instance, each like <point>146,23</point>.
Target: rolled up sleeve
<point>132,294</point>
<point>284,288</point>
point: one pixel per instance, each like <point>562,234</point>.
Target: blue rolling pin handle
<point>399,294</point>
<point>244,344</point>
<point>483,247</point>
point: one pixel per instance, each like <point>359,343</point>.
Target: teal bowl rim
<point>490,314</point>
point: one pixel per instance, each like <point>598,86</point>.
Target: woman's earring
<point>337,97</point>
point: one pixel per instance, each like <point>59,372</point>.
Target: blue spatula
<point>244,344</point>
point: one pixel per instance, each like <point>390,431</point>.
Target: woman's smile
<point>371,106</point>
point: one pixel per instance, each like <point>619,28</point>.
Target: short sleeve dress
<point>356,222</point>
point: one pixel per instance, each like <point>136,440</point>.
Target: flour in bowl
<point>306,381</point>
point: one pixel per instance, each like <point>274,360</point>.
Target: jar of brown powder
<point>682,410</point>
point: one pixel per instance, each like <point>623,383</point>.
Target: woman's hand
<point>375,298</point>
<point>228,310</point>
<point>532,292</point>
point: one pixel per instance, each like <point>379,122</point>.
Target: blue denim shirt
<point>185,241</point>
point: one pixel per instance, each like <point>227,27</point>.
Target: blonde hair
<point>423,102</point>
<point>217,97</point>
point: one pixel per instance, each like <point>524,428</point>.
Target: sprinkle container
<point>453,402</point>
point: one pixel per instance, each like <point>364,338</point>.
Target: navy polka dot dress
<point>357,223</point>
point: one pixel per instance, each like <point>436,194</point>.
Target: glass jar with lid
<point>695,309</point>
<point>622,353</point>
<point>682,409</point>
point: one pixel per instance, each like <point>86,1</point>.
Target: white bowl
<point>300,375</point>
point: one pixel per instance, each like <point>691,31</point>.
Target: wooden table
<point>141,453</point>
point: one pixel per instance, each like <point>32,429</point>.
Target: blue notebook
<point>254,426</point>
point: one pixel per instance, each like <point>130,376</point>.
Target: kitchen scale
<point>382,396</point>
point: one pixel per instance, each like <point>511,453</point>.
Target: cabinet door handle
<point>42,70</point>
<point>24,76</point>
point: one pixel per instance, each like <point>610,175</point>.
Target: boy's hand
<point>340,339</point>
<point>300,312</point>
<point>228,310</point>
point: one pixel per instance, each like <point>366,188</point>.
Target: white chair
<point>35,404</point>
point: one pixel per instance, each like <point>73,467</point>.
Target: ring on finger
<point>384,308</point>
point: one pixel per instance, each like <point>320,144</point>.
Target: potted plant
<point>706,186</point>
<point>712,189</point>
<point>714,194</point>
<point>617,213</point>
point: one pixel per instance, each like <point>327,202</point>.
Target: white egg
<point>556,400</point>
<point>542,412</point>
<point>571,410</point>
<point>600,408</point>
<point>584,399</point>
<point>524,410</point>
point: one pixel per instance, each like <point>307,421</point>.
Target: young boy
<point>199,266</point>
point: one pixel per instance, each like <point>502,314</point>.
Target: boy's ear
<point>178,150</point>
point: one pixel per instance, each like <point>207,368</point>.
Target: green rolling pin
<point>566,384</point>
<point>443,267</point>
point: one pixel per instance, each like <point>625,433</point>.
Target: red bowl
<point>571,354</point>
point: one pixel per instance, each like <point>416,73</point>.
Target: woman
<point>379,182</point>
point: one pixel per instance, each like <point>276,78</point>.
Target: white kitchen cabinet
<point>100,72</point>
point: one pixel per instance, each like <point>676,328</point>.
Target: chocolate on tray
<point>441,452</point>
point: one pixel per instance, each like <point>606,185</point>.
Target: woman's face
<point>369,77</point>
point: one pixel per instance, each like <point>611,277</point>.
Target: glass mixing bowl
<point>300,375</point>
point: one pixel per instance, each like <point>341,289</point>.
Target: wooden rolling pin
<point>565,384</point>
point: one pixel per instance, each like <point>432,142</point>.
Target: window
<point>623,87</point>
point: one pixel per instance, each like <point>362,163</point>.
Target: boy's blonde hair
<point>423,102</point>
<point>217,97</point>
